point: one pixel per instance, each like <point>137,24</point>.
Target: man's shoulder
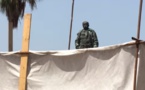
<point>80,31</point>
<point>91,30</point>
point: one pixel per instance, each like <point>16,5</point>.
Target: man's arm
<point>77,41</point>
<point>95,39</point>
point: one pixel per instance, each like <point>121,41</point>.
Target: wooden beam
<point>25,48</point>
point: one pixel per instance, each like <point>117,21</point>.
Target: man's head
<point>85,25</point>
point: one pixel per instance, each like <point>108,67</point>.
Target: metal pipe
<point>71,24</point>
<point>137,43</point>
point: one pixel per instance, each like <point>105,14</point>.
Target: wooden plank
<point>25,48</point>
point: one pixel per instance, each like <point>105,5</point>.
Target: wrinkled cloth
<point>103,68</point>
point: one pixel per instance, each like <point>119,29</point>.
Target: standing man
<point>86,38</point>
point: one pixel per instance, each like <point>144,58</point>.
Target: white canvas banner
<point>9,72</point>
<point>103,68</point>
<point>141,69</point>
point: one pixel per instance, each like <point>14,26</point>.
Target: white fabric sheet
<point>104,68</point>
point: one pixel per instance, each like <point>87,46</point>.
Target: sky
<point>115,22</point>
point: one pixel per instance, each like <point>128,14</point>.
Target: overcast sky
<point>115,22</point>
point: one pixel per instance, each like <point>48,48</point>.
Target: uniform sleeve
<point>77,41</point>
<point>95,39</point>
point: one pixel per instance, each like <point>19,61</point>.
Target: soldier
<point>86,38</point>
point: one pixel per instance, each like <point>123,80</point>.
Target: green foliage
<point>14,9</point>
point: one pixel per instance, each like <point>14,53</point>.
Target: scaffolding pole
<point>137,45</point>
<point>72,11</point>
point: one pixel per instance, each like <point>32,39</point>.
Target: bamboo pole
<point>24,56</point>
<point>71,24</point>
<point>137,43</point>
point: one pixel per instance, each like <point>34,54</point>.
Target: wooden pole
<point>71,24</point>
<point>137,42</point>
<point>25,48</point>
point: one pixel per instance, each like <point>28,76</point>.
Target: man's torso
<point>86,38</point>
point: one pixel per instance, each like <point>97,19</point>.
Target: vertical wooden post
<point>24,56</point>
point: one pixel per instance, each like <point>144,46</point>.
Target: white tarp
<point>103,68</point>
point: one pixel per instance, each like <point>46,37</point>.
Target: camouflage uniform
<point>86,39</point>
